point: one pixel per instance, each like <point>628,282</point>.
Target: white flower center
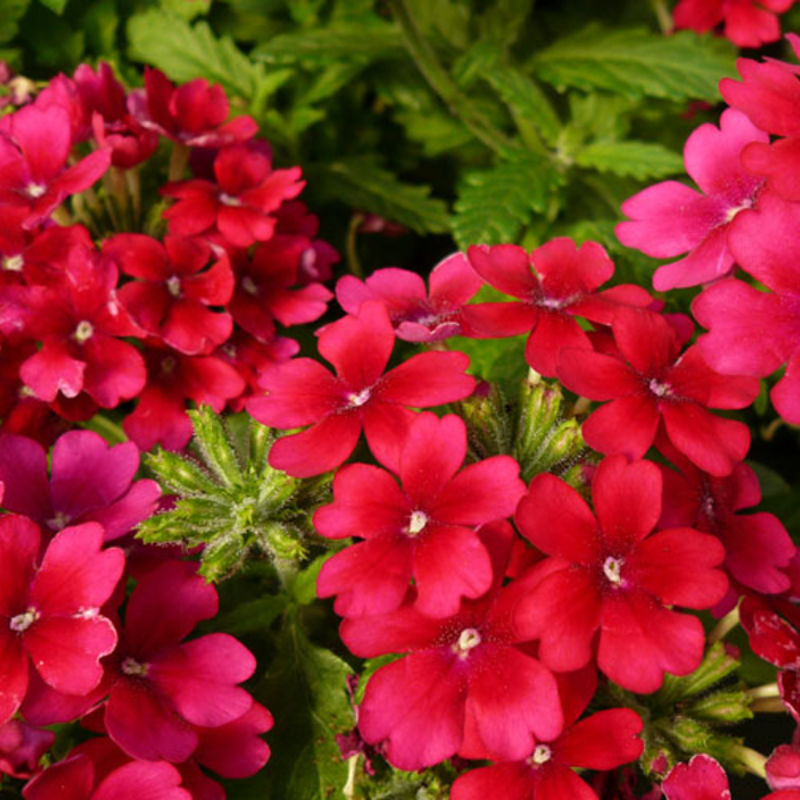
<point>228,200</point>
<point>417,523</point>
<point>35,190</point>
<point>468,640</point>
<point>357,399</point>
<point>659,389</point>
<point>174,286</point>
<point>13,263</point>
<point>22,622</point>
<point>612,569</point>
<point>132,667</point>
<point>84,331</point>
<point>732,212</point>
<point>249,285</point>
<point>541,755</point>
<point>59,521</point>
<point>309,258</point>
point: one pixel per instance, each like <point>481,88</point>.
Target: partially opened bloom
<point>90,481</point>
<point>240,204</point>
<point>783,767</point>
<point>464,686</point>
<point>670,218</point>
<point>417,315</point>
<point>22,747</point>
<point>701,779</point>
<point>610,582</point>
<point>747,23</point>
<point>163,686</point>
<point>555,283</point>
<point>303,392</point>
<point>49,608</point>
<point>658,388</point>
<point>173,295</point>
<point>603,741</point>
<point>753,332</point>
<point>422,529</point>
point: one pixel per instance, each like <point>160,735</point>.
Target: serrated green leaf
<point>304,585</point>
<point>332,79</point>
<point>638,63</point>
<point>364,185</point>
<point>56,6</point>
<point>371,666</point>
<point>526,101</point>
<point>378,41</point>
<point>437,133</point>
<point>638,159</point>
<point>186,9</point>
<point>185,52</point>
<point>252,616</point>
<point>481,59</point>
<point>495,360</point>
<point>306,691</point>
<point>495,205</point>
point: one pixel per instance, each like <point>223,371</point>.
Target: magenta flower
<point>78,321</point>
<point>670,218</point>
<point>754,332</point>
<point>263,292</point>
<point>701,779</point>
<point>75,779</point>
<point>49,608</point>
<point>562,287</point>
<point>783,767</point>
<point>603,741</point>
<point>90,482</point>
<point>172,379</point>
<point>22,747</point>
<point>658,389</point>
<point>303,392</point>
<point>464,687</point>
<point>240,203</point>
<point>316,262</point>
<point>164,686</point>
<point>607,579</point>
<point>172,298</point>
<point>421,530</point>
<point>758,549</point>
<point>192,114</point>
<point>747,23</point>
<point>417,316</point>
<point>33,162</point>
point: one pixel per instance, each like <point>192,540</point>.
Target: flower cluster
<point>164,705</point>
<point>161,319</point>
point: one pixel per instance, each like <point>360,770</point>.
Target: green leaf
<point>306,691</point>
<point>637,159</point>
<point>185,52</point>
<point>495,360</point>
<point>363,184</point>
<point>371,666</point>
<point>495,205</point>
<point>637,63</point>
<point>304,585</point>
<point>56,6</point>
<point>252,616</point>
<point>526,101</point>
<point>186,9</point>
<point>436,132</point>
<point>378,41</point>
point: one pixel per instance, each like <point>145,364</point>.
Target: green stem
<point>349,789</point>
<point>107,428</point>
<point>178,160</point>
<point>751,760</point>
<point>441,82</point>
<point>353,264</point>
<point>768,705</point>
<point>724,626</point>
<point>663,16</point>
<point>767,690</point>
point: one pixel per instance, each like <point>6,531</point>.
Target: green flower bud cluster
<point>230,501</point>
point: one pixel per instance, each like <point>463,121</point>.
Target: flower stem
<point>750,759</point>
<point>178,160</point>
<point>724,626</point>
<point>767,690</point>
<point>353,264</point>
<point>349,789</point>
<point>768,705</point>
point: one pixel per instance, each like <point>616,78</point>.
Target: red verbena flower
<point>701,779</point>
<point>303,392</point>
<point>747,23</point>
<point>422,529</point>
<point>609,579</point>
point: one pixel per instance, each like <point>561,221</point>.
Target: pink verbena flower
<point>49,608</point>
<point>417,316</point>
<point>747,23</point>
<point>303,392</point>
<point>701,779</point>
<point>174,293</point>
<point>163,686</point>
<point>241,201</point>
<point>463,687</point>
<point>422,529</point>
<point>555,283</point>
<point>192,114</point>
<point>602,741</point>
<point>783,767</point>
<point>90,482</point>
<point>769,94</point>
<point>753,332</point>
<point>610,579</point>
<point>33,162</point>
<point>758,549</point>
<point>22,747</point>
<point>658,388</point>
<point>670,218</point>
